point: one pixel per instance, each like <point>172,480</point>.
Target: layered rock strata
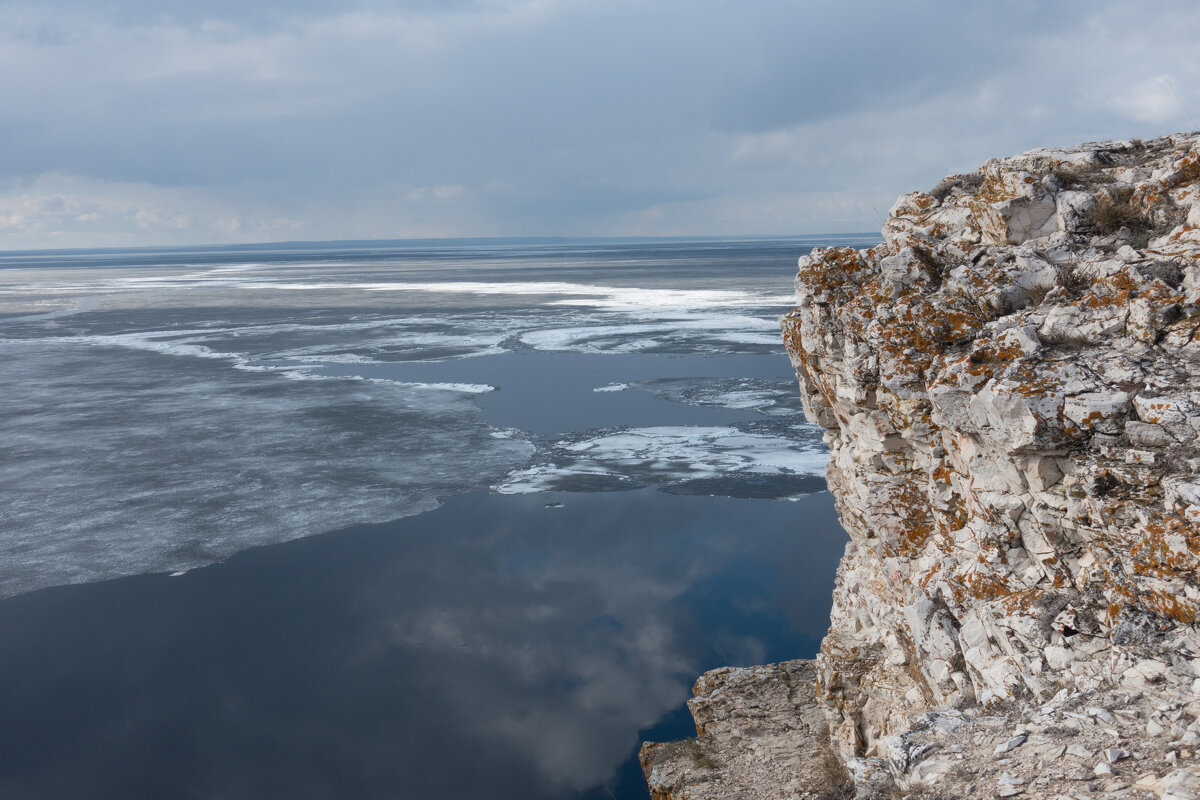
<point>1010,387</point>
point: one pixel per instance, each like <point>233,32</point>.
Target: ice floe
<point>766,396</point>
<point>465,388</point>
<point>694,333</point>
<point>124,462</point>
<point>667,455</point>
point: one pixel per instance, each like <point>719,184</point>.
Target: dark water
<point>491,648</point>
<point>281,425</point>
<point>526,399</point>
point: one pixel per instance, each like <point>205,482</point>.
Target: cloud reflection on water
<point>493,647</point>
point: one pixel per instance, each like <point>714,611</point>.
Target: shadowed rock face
<point>1010,386</point>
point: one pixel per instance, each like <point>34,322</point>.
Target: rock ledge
<point>761,733</point>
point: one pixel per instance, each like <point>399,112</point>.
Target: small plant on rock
<point>699,758</point>
<point>1074,176</point>
<point>1112,213</point>
<point>1073,280</point>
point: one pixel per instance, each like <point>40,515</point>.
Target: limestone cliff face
<point>1010,386</point>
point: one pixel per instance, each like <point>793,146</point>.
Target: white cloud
<point>1154,100</point>
<point>69,211</point>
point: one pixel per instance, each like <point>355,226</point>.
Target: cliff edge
<point>1010,387</point>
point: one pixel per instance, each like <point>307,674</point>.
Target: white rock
<point>1089,409</point>
<point>1115,754</point>
<point>1151,669</point>
<point>1148,783</point>
<point>1010,744</point>
<point>1180,784</point>
<point>929,771</point>
<point>1145,434</point>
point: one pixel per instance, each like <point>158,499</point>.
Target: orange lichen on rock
<point>1167,548</point>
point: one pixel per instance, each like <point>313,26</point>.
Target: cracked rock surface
<point>1010,387</point>
<point>760,734</point>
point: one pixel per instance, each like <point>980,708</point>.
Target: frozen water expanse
<point>119,460</point>
<point>163,415</point>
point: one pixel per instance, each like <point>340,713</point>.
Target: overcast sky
<point>130,122</point>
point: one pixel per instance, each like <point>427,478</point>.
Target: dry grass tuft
<point>1112,213</point>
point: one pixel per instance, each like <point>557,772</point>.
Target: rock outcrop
<point>1010,386</point>
<point>761,733</point>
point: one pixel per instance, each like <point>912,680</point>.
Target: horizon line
<point>424,240</point>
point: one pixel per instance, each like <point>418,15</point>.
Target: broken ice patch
<point>733,461</point>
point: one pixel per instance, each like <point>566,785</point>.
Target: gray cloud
<point>333,120</point>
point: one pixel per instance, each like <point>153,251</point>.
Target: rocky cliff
<point>1010,386</point>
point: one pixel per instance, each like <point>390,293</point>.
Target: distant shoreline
<point>448,242</point>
